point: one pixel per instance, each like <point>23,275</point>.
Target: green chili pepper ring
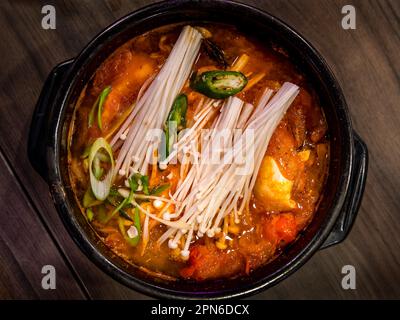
<point>219,84</point>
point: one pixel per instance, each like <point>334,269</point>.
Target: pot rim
<point>53,151</point>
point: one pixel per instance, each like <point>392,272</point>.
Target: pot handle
<point>39,129</point>
<point>353,200</point>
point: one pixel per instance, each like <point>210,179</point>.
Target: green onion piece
<point>125,215</point>
<point>86,152</point>
<point>121,212</point>
<point>89,214</point>
<point>145,184</point>
<point>97,169</point>
<point>114,192</point>
<point>159,189</point>
<point>218,84</point>
<point>100,188</point>
<point>134,186</point>
<point>89,200</point>
<point>176,121</point>
<point>103,157</point>
<point>102,99</point>
<point>135,240</point>
<point>133,182</point>
<point>85,164</point>
<point>136,218</point>
<point>120,207</point>
<point>98,104</point>
<point>178,111</point>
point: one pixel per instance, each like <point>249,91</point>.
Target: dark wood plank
<point>366,63</point>
<point>25,247</point>
<point>30,55</point>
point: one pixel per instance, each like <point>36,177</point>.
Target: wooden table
<point>366,62</point>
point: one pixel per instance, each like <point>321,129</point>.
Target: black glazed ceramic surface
<point>47,147</point>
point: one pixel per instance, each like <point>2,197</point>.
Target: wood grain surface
<point>367,64</point>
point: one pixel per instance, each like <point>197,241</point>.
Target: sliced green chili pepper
<point>218,84</point>
<point>99,105</point>
<point>135,240</point>
<point>178,111</point>
<point>176,121</point>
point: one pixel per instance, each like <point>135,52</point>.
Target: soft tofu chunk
<point>272,188</point>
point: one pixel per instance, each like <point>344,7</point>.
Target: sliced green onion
<point>159,189</point>
<point>103,96</point>
<point>134,182</point>
<point>119,207</point>
<point>103,157</point>
<point>100,188</point>
<point>85,164</point>
<point>115,203</point>
<point>89,214</point>
<point>144,181</point>
<point>98,104</point>
<point>134,186</point>
<point>145,184</point>
<point>97,169</point>
<point>89,200</point>
<point>135,240</point>
<point>125,215</point>
<point>86,152</point>
<point>114,192</point>
<point>136,218</point>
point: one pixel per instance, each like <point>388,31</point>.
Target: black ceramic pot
<point>337,210</point>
